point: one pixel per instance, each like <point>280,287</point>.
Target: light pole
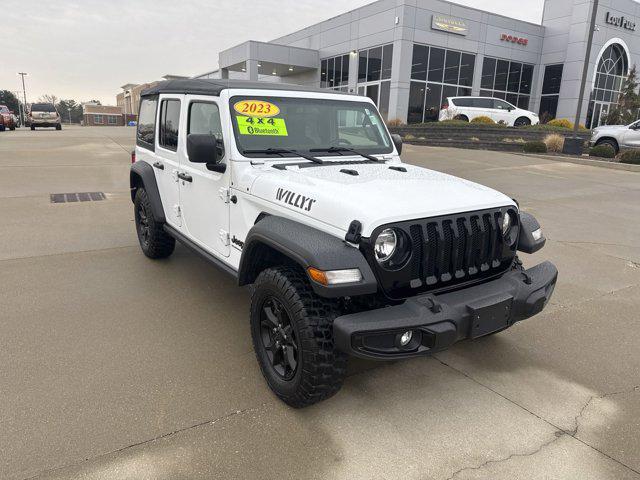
<point>69,110</point>
<point>24,96</point>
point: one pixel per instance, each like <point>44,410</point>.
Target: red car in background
<point>7,120</point>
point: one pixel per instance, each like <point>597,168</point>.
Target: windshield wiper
<point>280,151</point>
<point>345,149</point>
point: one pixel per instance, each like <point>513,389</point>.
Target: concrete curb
<point>587,161</point>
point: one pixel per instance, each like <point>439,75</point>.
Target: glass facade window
<point>551,90</point>
<point>374,75</point>
<point>612,71</point>
<point>510,81</point>
<point>334,72</point>
<point>436,74</point>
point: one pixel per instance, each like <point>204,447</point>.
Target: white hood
<point>378,195</point>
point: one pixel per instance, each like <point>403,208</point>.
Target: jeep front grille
<point>448,251</point>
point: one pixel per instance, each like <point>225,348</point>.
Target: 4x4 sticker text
<point>295,199</point>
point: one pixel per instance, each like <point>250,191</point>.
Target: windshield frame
<point>272,95</point>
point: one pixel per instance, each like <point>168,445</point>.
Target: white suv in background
<point>468,108</point>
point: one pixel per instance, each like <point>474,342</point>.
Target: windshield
<point>42,107</point>
<point>4,109</point>
<point>306,125</point>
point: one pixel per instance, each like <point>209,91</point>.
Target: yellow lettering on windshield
<point>256,108</point>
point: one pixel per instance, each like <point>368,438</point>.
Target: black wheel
<point>292,336</point>
<point>12,128</point>
<point>611,142</point>
<point>32,127</point>
<point>462,118</point>
<point>154,241</point>
<point>58,127</point>
<point>522,122</point>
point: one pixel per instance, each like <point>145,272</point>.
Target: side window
<point>500,104</point>
<point>204,118</point>
<point>483,102</point>
<point>169,124</point>
<point>147,123</point>
<point>463,102</point>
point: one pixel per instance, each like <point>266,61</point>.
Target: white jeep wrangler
<point>301,193</point>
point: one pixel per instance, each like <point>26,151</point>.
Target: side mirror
<point>397,141</point>
<point>204,148</point>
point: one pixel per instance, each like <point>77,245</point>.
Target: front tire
<point>292,331</point>
<point>58,127</point>
<point>522,122</point>
<point>612,143</point>
<point>154,241</point>
<point>32,127</point>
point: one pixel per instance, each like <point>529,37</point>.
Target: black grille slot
<point>417,242</point>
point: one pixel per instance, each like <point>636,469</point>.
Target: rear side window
<point>501,104</point>
<point>147,122</point>
<point>483,102</point>
<point>463,102</point>
<point>169,124</point>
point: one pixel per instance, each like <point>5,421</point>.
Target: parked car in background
<point>617,136</point>
<point>8,119</point>
<point>468,108</point>
<point>44,115</point>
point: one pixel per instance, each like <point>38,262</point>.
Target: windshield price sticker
<point>275,127</point>
<point>256,108</point>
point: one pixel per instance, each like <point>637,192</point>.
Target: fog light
<point>405,338</point>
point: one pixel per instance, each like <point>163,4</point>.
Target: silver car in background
<point>44,115</point>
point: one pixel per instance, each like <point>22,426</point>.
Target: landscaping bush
<point>483,120</point>
<point>535,147</point>
<point>560,122</point>
<point>394,122</point>
<point>563,123</point>
<point>602,151</point>
<point>554,143</point>
<point>631,156</point>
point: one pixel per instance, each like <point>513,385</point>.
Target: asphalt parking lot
<point>115,366</point>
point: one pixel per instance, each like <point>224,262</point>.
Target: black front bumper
<point>438,321</point>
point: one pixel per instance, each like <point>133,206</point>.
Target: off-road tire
<point>321,368</point>
<point>156,243</point>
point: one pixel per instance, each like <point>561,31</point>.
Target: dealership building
<point>410,55</point>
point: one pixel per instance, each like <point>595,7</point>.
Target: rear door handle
<point>159,165</point>
<point>185,177</point>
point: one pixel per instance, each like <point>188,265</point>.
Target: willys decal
<point>295,199</point>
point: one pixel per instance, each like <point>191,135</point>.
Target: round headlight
<point>506,224</point>
<point>385,245</point>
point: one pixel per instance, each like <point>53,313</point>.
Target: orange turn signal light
<point>318,276</point>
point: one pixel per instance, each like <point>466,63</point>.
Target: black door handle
<point>159,165</point>
<point>185,177</point>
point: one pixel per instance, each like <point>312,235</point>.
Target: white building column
<point>400,80</point>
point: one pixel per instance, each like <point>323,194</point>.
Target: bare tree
<point>48,98</point>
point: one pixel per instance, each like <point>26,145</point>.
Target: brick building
<point>102,115</point>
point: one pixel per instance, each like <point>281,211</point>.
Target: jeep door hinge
<point>224,237</point>
<point>225,194</point>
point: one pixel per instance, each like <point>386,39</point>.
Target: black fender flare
<point>142,175</point>
<point>526,242</point>
<point>308,247</point>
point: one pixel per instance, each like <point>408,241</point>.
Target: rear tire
<point>462,118</point>
<point>292,331</point>
<point>58,127</point>
<point>522,122</point>
<point>611,142</point>
<point>32,127</point>
<point>154,241</point>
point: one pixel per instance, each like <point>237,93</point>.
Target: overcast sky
<point>87,49</point>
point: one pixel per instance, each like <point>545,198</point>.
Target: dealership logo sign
<point>449,24</point>
<point>505,37</point>
<point>620,21</point>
